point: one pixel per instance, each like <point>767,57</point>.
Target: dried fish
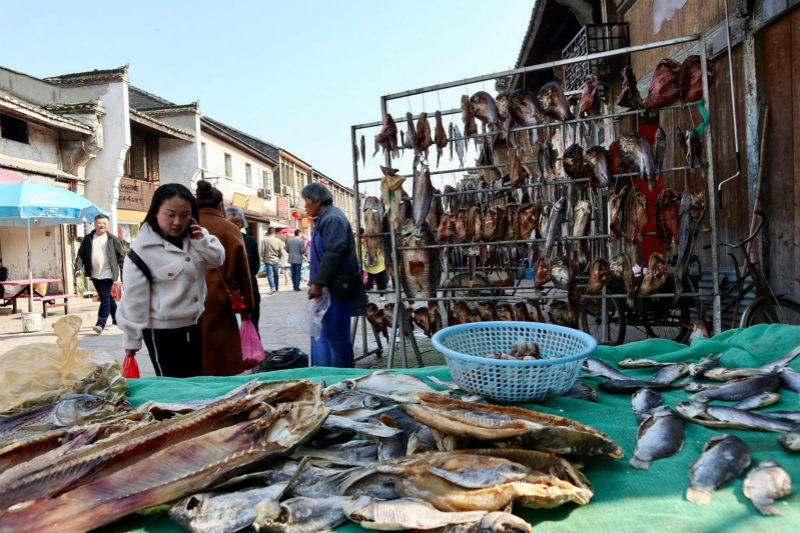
<point>724,458</point>
<point>719,416</point>
<point>758,401</point>
<point>421,274</point>
<point>665,86</point>
<point>766,483</point>
<point>627,386</point>
<point>643,401</point>
<point>660,435</point>
<point>598,164</point>
<point>387,138</point>
<point>666,217</point>
<point>599,272</point>
<point>403,513</point>
<point>299,515</point>
<point>598,367</point>
<point>373,216</point>
<point>424,137</point>
<point>553,102</point>
<point>740,389</point>
<point>470,127</point>
<point>698,370</point>
<point>221,512</point>
<point>581,391</point>
<point>485,109</point>
<point>671,373</point>
<point>790,441</point>
<point>440,137</point>
<point>630,97</point>
<point>538,430</point>
<point>635,151</point>
<point>659,150</point>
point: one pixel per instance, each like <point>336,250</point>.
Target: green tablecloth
<point>625,499</point>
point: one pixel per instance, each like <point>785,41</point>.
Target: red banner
<point>283,206</point>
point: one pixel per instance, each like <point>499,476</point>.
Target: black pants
<point>296,274</point>
<point>107,302</point>
<point>175,353</point>
<point>254,316</point>
<point>381,277</point>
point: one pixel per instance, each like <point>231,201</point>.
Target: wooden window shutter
<point>152,159</point>
<point>138,165</point>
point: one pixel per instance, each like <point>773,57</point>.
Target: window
<point>142,159</point>
<point>248,174</point>
<point>228,166</point>
<point>13,129</point>
<point>203,157</point>
<point>265,179</point>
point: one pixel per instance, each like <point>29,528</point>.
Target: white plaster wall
<point>46,254</point>
<point>104,171</point>
<point>42,146</point>
<point>215,170</point>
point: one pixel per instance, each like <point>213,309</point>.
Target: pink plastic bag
<point>252,351</point>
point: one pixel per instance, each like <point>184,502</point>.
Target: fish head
<point>189,510</point>
<point>502,522</point>
<point>692,409</point>
<point>76,409</point>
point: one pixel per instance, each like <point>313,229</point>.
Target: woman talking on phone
<point>163,276</point>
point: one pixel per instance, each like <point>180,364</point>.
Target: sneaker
<point>112,325</point>
<point>98,329</point>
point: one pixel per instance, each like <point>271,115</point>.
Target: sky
<point>296,73</point>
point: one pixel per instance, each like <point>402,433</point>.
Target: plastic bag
<point>130,368</point>
<point>310,319</point>
<point>41,373</point>
<point>252,351</point>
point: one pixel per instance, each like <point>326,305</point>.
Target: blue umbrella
<point>38,204</point>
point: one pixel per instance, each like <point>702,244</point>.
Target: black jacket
<point>84,258</point>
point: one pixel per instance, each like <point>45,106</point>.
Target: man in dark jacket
<point>236,215</point>
<point>101,257</point>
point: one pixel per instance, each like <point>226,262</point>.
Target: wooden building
<point>765,39</point>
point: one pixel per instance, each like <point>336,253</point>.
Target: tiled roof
<point>92,77</point>
<point>42,115</point>
<point>93,106</point>
<point>270,150</point>
<point>141,99</point>
<point>170,111</point>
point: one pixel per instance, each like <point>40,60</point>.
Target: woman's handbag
<point>237,300</point>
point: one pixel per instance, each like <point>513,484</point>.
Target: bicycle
<point>767,307</point>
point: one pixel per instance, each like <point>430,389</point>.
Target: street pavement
<point>273,327</point>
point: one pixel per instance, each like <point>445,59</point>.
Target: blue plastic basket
<point>466,347</point>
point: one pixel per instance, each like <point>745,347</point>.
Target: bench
<point>51,301</point>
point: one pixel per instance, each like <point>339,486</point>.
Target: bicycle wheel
<point>770,310</point>
<point>673,324</point>
<point>592,320</point>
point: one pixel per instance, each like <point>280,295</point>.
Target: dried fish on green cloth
<point>727,374</point>
<point>383,384</point>
<point>221,512</point>
<point>402,513</point>
<point>660,435</point>
<point>541,431</point>
<point>758,401</point>
<point>643,401</point>
<point>740,389</point>
<point>299,515</point>
<point>173,472</point>
<point>720,416</point>
<point>724,458</point>
<point>790,441</point>
<point>485,479</point>
<point>88,463</point>
<point>766,483</point>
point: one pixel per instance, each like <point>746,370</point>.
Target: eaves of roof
<point>34,113</point>
<point>161,127</point>
<point>93,77</point>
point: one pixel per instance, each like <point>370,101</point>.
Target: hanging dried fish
<point>387,138</point>
<point>363,152</point>
<point>691,79</point>
<point>630,97</point>
<point>599,272</point>
<point>666,217</point>
<point>636,152</point>
<point>440,138</point>
<point>665,86</point>
<point>656,276</point>
<point>599,166</point>
<point>485,109</point>
<point>424,138</point>
<point>470,127</point>
<point>411,133</point>
<point>553,102</point>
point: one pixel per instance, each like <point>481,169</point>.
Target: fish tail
<point>768,509</point>
<point>699,496</point>
<point>639,463</point>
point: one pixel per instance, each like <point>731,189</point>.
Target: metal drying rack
<point>400,320</point>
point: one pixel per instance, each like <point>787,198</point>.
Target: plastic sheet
<point>41,373</point>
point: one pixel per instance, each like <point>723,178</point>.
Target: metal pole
<point>398,325</point>
<point>357,199</point>
<point>540,66</point>
<point>30,267</point>
<point>712,205</point>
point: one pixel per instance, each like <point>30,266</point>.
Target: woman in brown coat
<point>222,346</point>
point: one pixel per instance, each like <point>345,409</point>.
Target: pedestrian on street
<point>222,345</point>
<point>271,250</point>
<point>164,286</point>
<point>295,248</point>
<point>236,217</point>
<point>101,257</point>
<point>332,250</point>
<point>3,277</point>
<point>285,265</point>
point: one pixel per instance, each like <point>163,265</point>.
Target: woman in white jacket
<point>164,282</point>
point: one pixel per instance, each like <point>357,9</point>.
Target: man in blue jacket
<point>101,257</point>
